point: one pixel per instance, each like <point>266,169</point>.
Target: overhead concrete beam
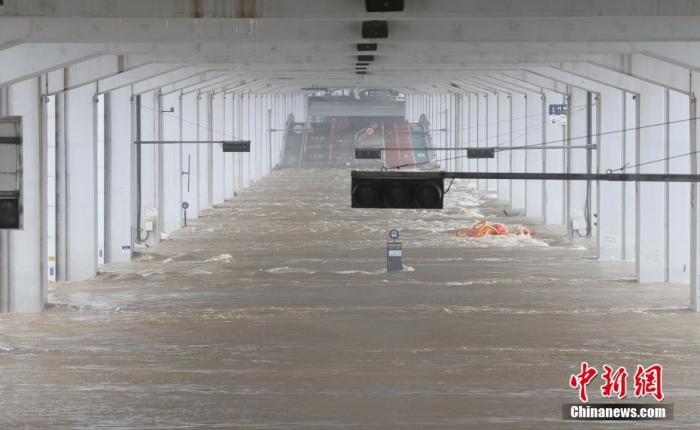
<point>133,76</point>
<point>648,69</point>
<point>524,86</point>
<point>305,9</point>
<point>23,62</point>
<point>175,76</point>
<point>540,81</point>
<point>454,29</point>
<point>194,83</point>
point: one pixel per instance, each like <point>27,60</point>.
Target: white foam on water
<point>223,257</point>
<point>360,272</point>
<point>200,272</point>
<point>282,270</point>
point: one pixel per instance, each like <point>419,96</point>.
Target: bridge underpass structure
<point>88,83</point>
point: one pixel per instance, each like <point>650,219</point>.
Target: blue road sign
<point>394,234</point>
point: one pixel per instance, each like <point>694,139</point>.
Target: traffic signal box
<point>386,192</point>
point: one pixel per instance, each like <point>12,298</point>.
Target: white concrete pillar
<point>150,167</point>
<point>554,160</point>
<point>100,158</point>
<point>482,139</point>
<point>518,157</point>
<point>245,130</point>
<point>23,252</point>
<point>651,212</point>
<point>50,134</point>
<point>218,133</point>
<point>492,123</point>
<point>629,189</point>
<point>190,154</point>
<point>229,134</point>
<point>475,100</point>
<point>120,151</point>
<point>504,139</point>
<point>170,178</point>
<point>257,137</point>
<point>694,190</point>
<point>205,163</point>
<point>534,157</point>
<point>610,156</point>
<point>238,157</point>
<point>81,183</point>
<point>577,159</point>
<point>678,205</point>
<point>458,132</point>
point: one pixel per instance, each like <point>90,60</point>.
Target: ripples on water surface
<point>274,310</point>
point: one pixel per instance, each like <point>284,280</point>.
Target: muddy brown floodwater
<point>274,310</point>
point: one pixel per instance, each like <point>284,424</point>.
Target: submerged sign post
<point>394,261</point>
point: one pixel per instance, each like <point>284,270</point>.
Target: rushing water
<point>275,310</point>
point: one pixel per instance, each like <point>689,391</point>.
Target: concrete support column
<point>238,127</point>
<point>257,137</point>
<point>492,124</point>
<point>518,158</point>
<point>554,160</point>
<point>651,212</point>
<point>170,177</point>
<point>482,139</point>
<point>23,252</point>
<point>678,205</point>
<point>577,158</point>
<point>205,162</point>
<point>475,100</point>
<point>694,193</point>
<point>190,154</point>
<point>536,135</point>
<point>120,227</point>
<point>458,132</point>
<point>629,189</point>
<point>245,131</point>
<point>229,134</point>
<point>218,107</point>
<point>504,139</point>
<point>81,184</point>
<point>150,167</point>
<point>610,156</point>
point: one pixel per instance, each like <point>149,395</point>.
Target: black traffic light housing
<point>386,192</point>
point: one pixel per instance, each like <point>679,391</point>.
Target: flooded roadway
<point>275,311</point>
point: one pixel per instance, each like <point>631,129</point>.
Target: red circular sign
<point>370,131</point>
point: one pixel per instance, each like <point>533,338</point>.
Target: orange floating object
<point>483,228</point>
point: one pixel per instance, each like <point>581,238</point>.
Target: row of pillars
<point>86,201</point>
<point>648,223</point>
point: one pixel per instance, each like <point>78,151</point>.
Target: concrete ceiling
<point>294,44</point>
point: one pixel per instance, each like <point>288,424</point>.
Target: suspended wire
<point>504,121</point>
<point>527,130</point>
<point>627,166</point>
<point>193,123</point>
<point>544,144</point>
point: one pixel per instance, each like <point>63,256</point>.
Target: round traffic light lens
<point>428,195</point>
<point>364,195</point>
<point>397,195</point>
